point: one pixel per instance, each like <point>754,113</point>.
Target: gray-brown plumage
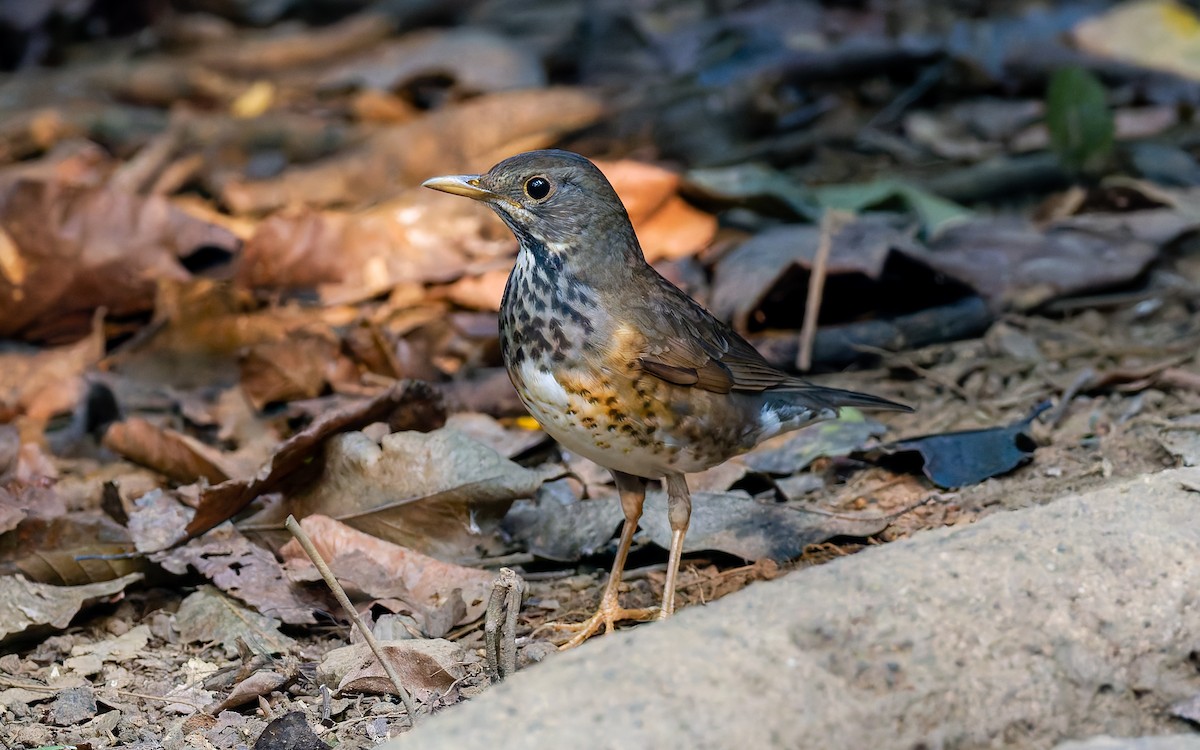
<point>618,364</point>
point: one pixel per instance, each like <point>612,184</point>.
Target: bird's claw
<point>607,616</point>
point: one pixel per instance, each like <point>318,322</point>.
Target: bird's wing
<point>687,346</point>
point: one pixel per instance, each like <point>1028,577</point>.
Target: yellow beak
<point>460,184</point>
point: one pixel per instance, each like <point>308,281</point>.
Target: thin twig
<point>340,594</point>
<point>165,698</point>
<point>1083,380</point>
<point>831,223</point>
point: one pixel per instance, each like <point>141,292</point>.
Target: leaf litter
<point>220,286</point>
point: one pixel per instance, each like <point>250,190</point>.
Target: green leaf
<point>934,212</point>
<point>1080,122</point>
<point>754,183</point>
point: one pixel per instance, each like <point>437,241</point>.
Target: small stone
<point>534,652</point>
<point>35,736</point>
<point>72,706</point>
<point>10,663</point>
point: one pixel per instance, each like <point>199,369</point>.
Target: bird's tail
<point>835,398</point>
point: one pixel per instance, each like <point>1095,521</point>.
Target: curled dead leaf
<point>406,405</point>
<point>440,492</point>
<point>365,561</point>
<point>84,248</point>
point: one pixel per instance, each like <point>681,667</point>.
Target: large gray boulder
<point>1068,620</point>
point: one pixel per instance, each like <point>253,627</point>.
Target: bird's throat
<point>547,314</point>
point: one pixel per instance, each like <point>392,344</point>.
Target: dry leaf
<point>178,456</point>
<point>297,368</point>
<point>478,61</point>
<point>667,226</point>
<point>86,248</point>
<point>432,665</point>
<point>471,135</point>
<point>360,560</point>
<point>415,238</point>
<point>440,492</point>
<point>44,383</point>
<point>768,265</point>
<point>735,523</point>
<point>262,683</point>
<point>208,616</point>
<point>50,606</point>
<point>1012,264</point>
<point>406,405</point>
<point>247,571</point>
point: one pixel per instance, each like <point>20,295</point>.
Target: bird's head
<point>554,198</point>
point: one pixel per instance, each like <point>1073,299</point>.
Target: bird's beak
<point>460,184</point>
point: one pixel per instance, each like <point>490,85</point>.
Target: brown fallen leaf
<point>46,540</point>
<point>667,226</point>
<point>482,292</point>
<point>76,566</point>
<point>19,501</point>
<point>406,405</point>
<point>414,238</point>
<point>471,135</point>
<point>433,665</point>
<point>476,60</point>
<point>45,607</point>
<point>85,248</point>
<point>73,162</point>
<point>169,452</point>
<point>259,52</point>
<point>246,571</point>
<point>440,493</point>
<point>300,367</point>
<point>262,683</point>
<point>507,441</point>
<point>364,562</point>
<point>43,383</point>
<point>1013,264</point>
<point>769,264</point>
<point>199,329</point>
<point>209,616</point>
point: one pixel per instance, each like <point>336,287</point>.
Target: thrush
<point>619,365</point>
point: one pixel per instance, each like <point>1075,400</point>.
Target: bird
<point>619,365</point>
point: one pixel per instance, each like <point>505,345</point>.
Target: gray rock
<point>73,706</point>
<point>1026,629</point>
<point>1161,742</point>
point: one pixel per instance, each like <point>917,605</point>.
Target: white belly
<point>559,413</point>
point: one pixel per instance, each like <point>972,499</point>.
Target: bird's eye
<point>537,188</point>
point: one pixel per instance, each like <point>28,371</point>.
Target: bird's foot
<point>607,616</point>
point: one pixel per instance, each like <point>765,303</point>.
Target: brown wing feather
<point>687,346</point>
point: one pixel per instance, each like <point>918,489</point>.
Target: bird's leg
<point>633,494</point>
<point>679,513</point>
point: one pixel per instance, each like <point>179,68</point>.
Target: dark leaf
<point>289,732</point>
<point>960,459</point>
